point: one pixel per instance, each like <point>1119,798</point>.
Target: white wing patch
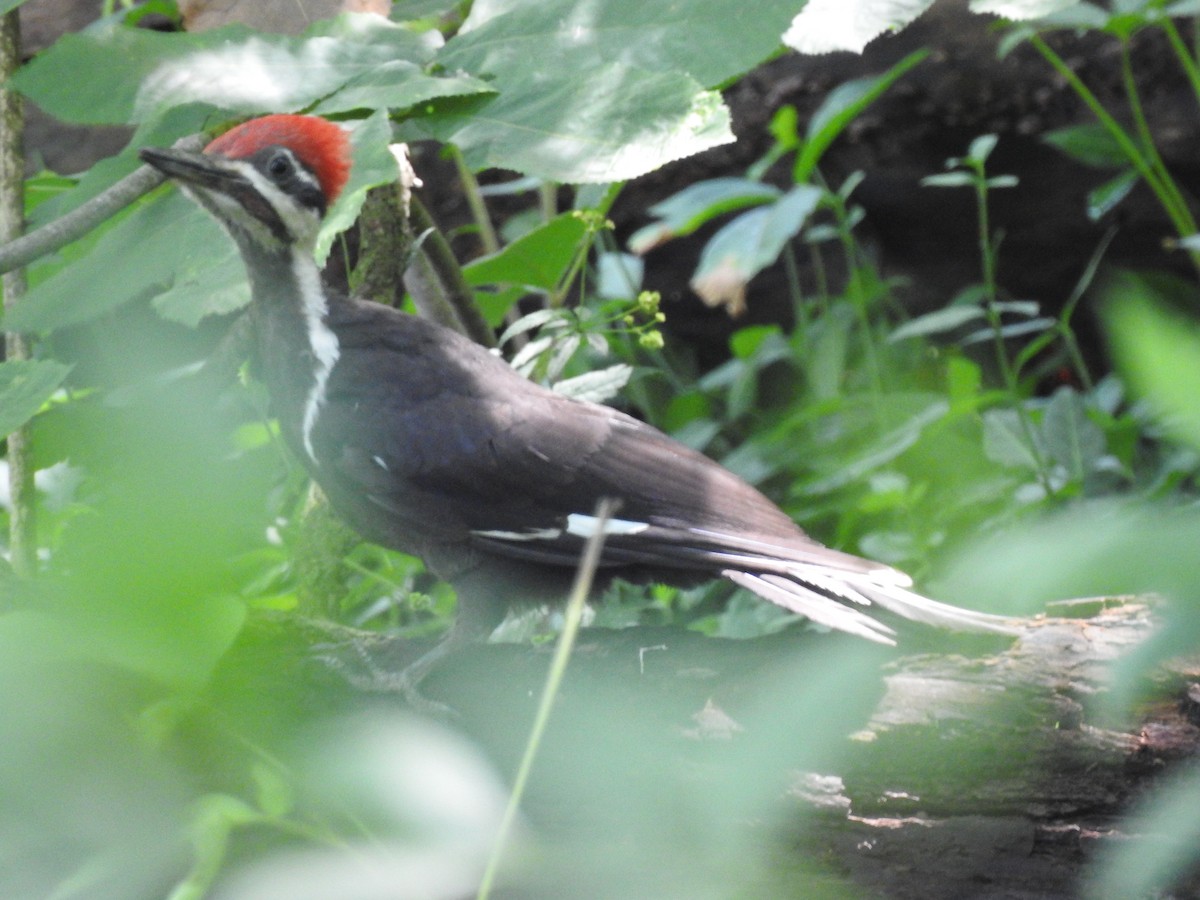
<point>532,534</point>
<point>578,525</point>
<point>585,526</point>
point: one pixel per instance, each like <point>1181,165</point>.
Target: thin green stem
<point>572,618</point>
<point>988,252</point>
<point>1149,149</point>
<point>1129,147</point>
<point>479,212</point>
<point>1183,53</point>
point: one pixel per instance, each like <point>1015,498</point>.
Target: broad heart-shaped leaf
<point>399,84</point>
<point>538,259</point>
<point>711,40</point>
<point>612,124</point>
<point>118,74</point>
<point>749,244</point>
<point>24,386</point>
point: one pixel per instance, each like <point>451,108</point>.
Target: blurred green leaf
<point>1091,144</point>
<point>24,386</point>
<point>539,259</point>
<point>1159,353</point>
<point>1071,438</point>
<point>116,74</point>
<point>841,107</point>
<point>750,243</point>
<point>170,235</point>
<point>551,122</point>
<point>397,85</point>
<point>1164,832</point>
<point>682,213</point>
<point>1104,199</point>
<point>692,37</point>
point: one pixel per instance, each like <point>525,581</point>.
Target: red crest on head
<point>319,144</point>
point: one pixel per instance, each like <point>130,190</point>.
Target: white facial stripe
<point>585,526</point>
<point>300,221</point>
<point>301,170</point>
<point>321,339</point>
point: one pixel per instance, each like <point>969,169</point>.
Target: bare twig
<point>22,521</point>
<point>20,252</point>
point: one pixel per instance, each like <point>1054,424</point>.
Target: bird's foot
<point>360,668</point>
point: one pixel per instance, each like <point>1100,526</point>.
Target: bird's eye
<point>279,166</point>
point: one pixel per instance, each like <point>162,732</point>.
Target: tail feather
<point>821,595</point>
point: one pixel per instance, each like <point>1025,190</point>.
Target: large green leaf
<point>118,74</point>
<point>24,386</point>
<point>596,90</point>
<point>399,84</point>
<point>143,252</point>
<point>711,40</point>
<point>537,260</point>
<point>616,123</point>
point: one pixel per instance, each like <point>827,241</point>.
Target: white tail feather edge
<point>805,592</point>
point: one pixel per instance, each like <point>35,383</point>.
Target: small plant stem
<point>548,200</point>
<point>1181,220</point>
<point>479,212</point>
<point>572,618</point>
<point>800,310</point>
<point>1148,146</point>
<point>1183,53</point>
<point>987,253</point>
<point>22,540</point>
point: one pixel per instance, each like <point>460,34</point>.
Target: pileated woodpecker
<point>425,442</point>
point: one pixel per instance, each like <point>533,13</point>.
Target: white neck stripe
<point>321,339</point>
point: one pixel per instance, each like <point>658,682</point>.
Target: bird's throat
<point>297,348</point>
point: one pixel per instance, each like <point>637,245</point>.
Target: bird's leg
<point>370,674</point>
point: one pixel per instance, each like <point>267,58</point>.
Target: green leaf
<point>686,36</point>
<point>843,105</point>
<point>598,386</point>
<point>1005,440</point>
<point>373,165</point>
<point>24,386</point>
<point>682,213</point>
<point>538,260</point>
<point>948,179</point>
<point>1104,199</point>
<point>1071,438</point>
<point>937,322</point>
<point>621,94</point>
<point>170,236</point>
<point>615,124</point>
<point>750,243</point>
<point>399,84</point>
<point>881,451</point>
<point>118,74</point>
<point>1159,353</point>
<point>1164,833</point>
<point>1091,144</point>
